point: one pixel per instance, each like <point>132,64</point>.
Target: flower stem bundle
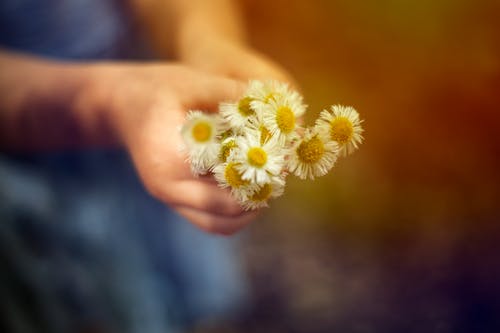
<point>252,145</point>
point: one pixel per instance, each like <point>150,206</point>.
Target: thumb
<point>208,91</point>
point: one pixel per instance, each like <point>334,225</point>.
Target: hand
<point>234,60</point>
<point>147,106</point>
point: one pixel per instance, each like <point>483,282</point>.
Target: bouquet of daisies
<point>253,144</point>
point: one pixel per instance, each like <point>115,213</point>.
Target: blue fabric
<point>76,29</point>
<point>81,232</point>
<point>82,245</point>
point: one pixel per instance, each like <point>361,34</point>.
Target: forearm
<point>175,27</point>
<point>48,105</point>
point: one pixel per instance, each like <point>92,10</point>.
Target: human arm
<point>41,105</point>
<point>46,105</point>
<point>208,35</point>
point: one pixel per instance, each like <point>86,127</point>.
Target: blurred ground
<point>403,236</point>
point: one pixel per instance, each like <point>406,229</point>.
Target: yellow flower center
<point>285,119</point>
<point>264,134</point>
<point>225,150</point>
<point>311,151</point>
<point>233,176</point>
<point>202,131</point>
<point>257,157</point>
<point>263,193</point>
<point>244,107</point>
<point>341,130</point>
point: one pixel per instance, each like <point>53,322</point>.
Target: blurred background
<point>404,235</point>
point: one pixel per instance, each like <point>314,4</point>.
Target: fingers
<point>215,223</point>
<point>264,71</point>
<point>208,178</point>
<point>211,90</point>
<point>204,196</point>
<point>258,66</point>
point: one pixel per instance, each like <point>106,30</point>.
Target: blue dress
<point>82,245</point>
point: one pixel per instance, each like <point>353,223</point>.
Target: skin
<point>48,105</point>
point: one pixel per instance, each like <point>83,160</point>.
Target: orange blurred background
<point>404,235</point>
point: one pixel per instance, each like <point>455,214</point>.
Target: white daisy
<point>342,125</point>
<point>237,114</point>
<point>200,136</point>
<point>313,155</point>
<point>258,162</point>
<point>227,175</point>
<point>255,125</point>
<point>280,115</point>
<point>259,196</point>
<point>263,92</point>
<point>226,147</point>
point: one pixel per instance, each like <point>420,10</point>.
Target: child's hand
<point>235,60</point>
<point>148,104</point>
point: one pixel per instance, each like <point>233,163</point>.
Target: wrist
<point>93,105</point>
<point>49,104</point>
<point>201,30</point>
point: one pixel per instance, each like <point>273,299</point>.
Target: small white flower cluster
<point>252,145</point>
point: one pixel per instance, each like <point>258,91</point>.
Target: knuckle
<point>223,204</point>
<point>159,192</point>
<point>211,225</point>
<point>233,210</point>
